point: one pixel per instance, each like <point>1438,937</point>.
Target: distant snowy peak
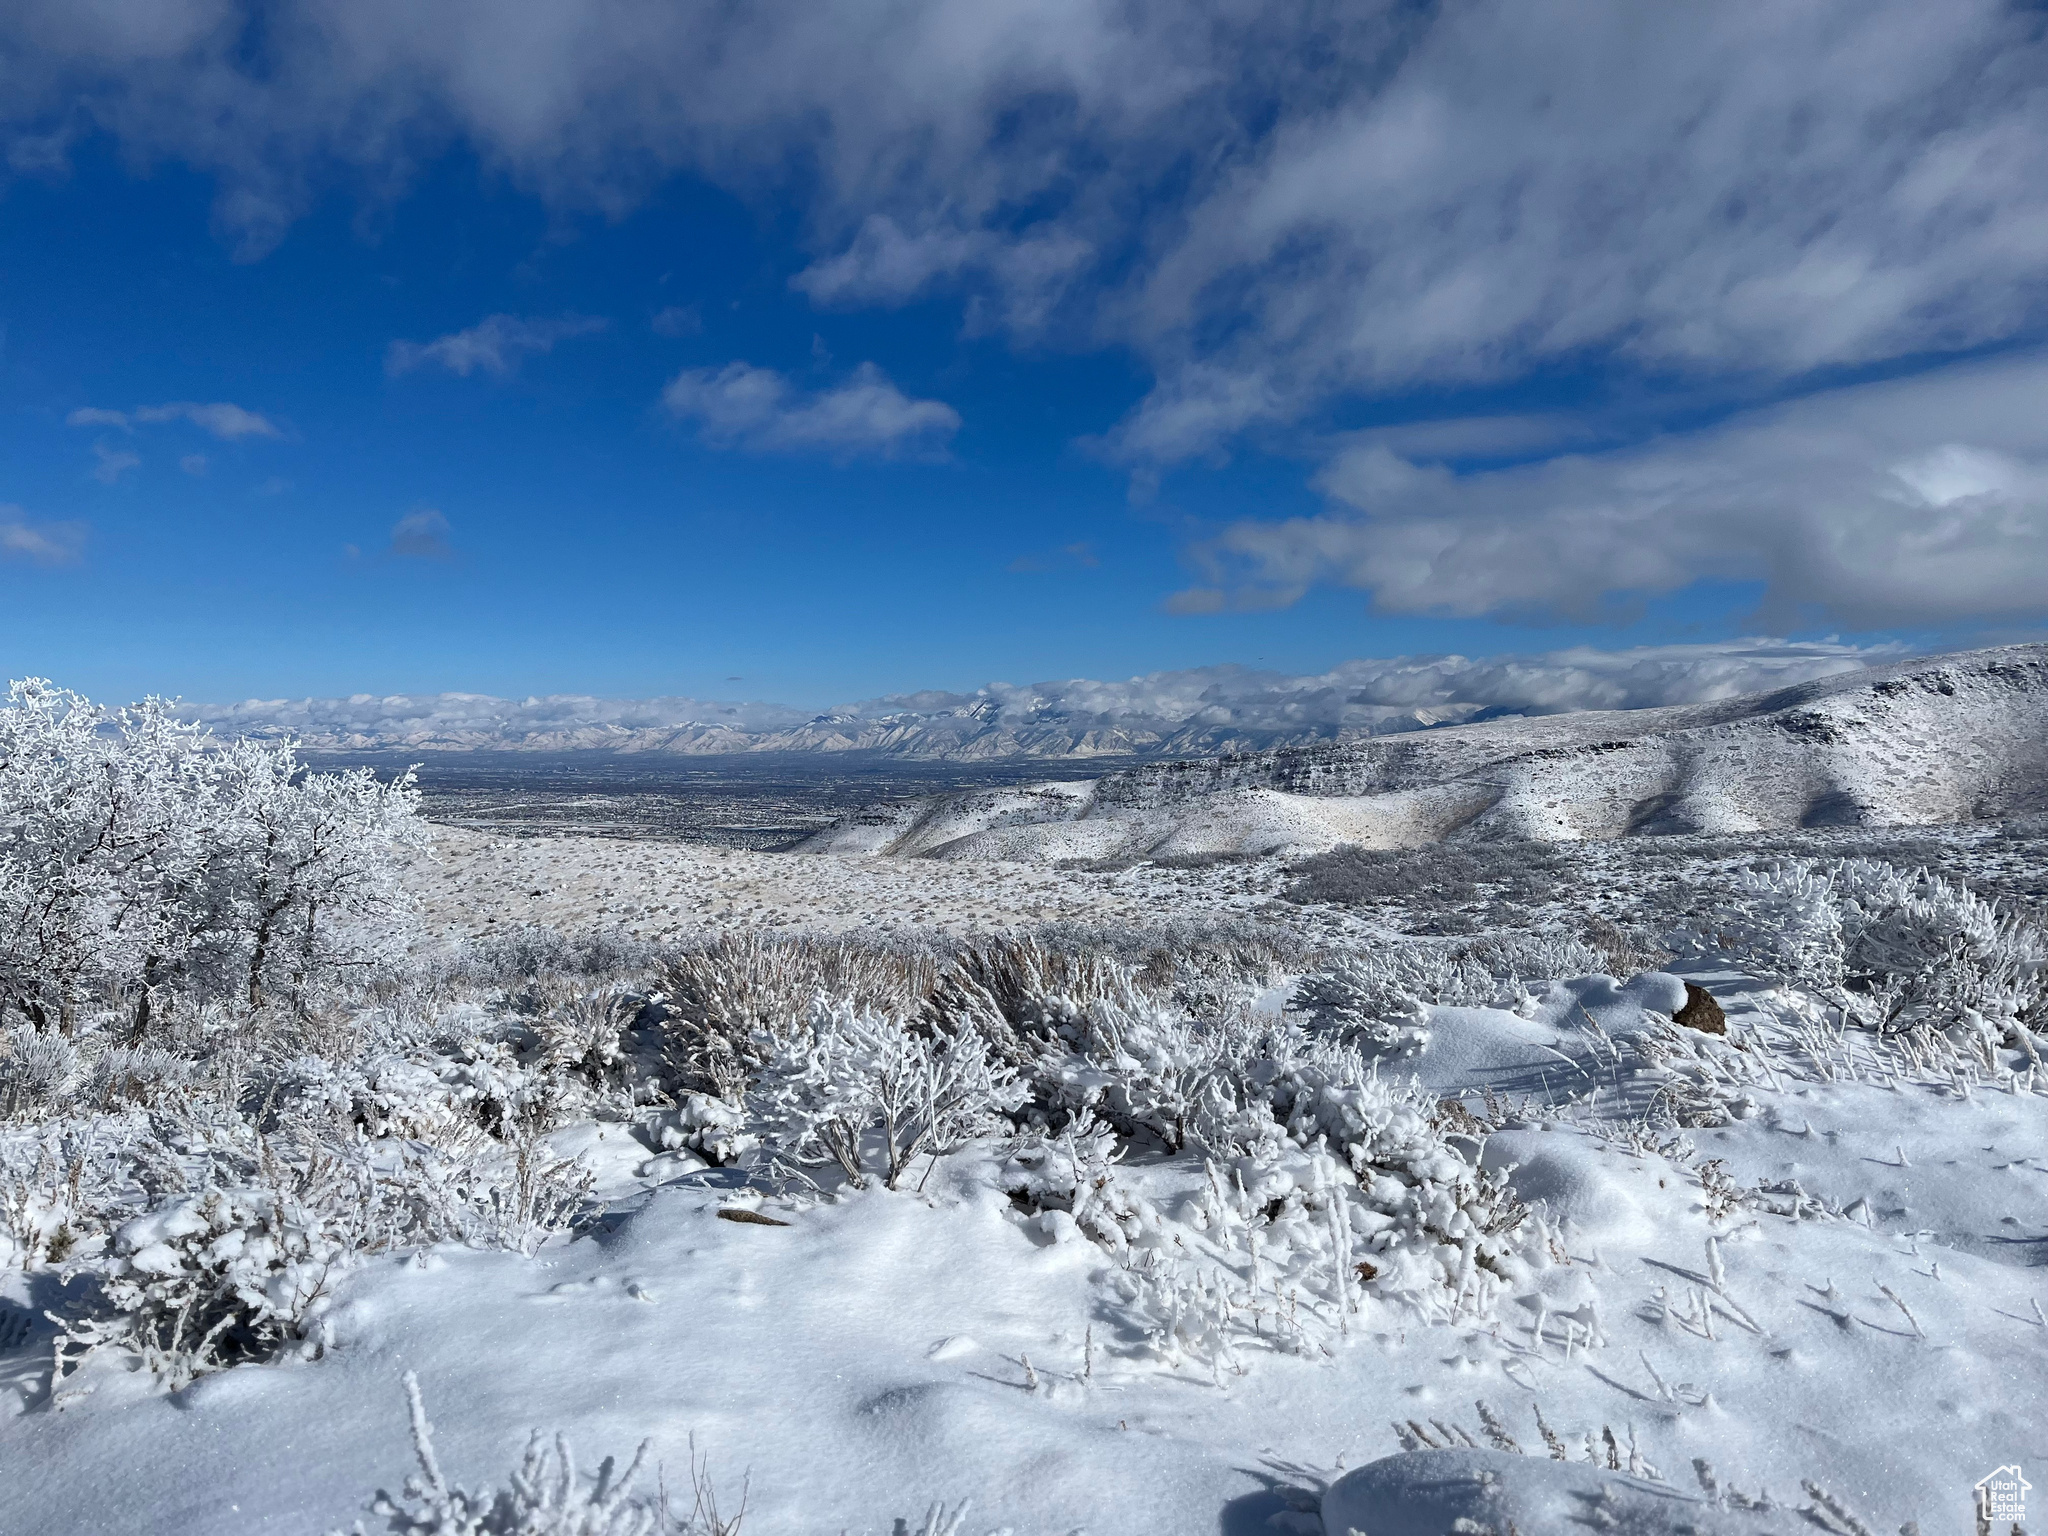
<point>1202,712</point>
<point>1945,739</point>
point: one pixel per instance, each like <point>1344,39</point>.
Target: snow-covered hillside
<point>1945,739</point>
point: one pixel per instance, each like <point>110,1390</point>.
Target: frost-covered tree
<point>105,819</point>
<point>304,869</point>
<point>140,856</point>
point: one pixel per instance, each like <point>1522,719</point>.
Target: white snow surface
<point>1918,743</point>
<point>869,1359</point>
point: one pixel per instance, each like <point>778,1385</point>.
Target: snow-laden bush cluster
<point>1331,1186</point>
<point>223,1077</point>
<point>1378,998</point>
<point>1900,953</point>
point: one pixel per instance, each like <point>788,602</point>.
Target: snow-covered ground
<point>1791,1255</point>
<point>662,890</point>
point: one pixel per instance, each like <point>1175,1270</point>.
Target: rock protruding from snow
<point>1701,1011</point>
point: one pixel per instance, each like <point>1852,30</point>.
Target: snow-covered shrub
<point>1786,921</point>
<point>1024,995</point>
<point>864,1092</point>
<point>529,1192</point>
<point>1924,951</point>
<point>35,1070</point>
<point>443,1097</point>
<point>713,1129</point>
<point>1374,999</point>
<point>585,1036</point>
<point>380,1098</point>
<point>1515,958</point>
<point>1148,1071</point>
<point>1378,998</point>
<point>1203,964</point>
<point>1898,952</point>
<point>57,1194</point>
<point>1625,949</point>
<point>544,1496</point>
<point>141,1074</point>
<point>1086,1035</point>
<point>230,1274</point>
<point>729,1001</point>
<point>1364,1180</point>
<point>1429,1219</point>
<point>1069,1176</point>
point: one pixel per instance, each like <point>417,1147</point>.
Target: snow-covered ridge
<point>1943,739</point>
<point>1197,712</point>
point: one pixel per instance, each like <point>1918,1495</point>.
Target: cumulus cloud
<point>222,418</point>
<point>1917,501</point>
<point>39,543</point>
<point>1357,698</point>
<point>421,535</point>
<point>741,406</point>
<point>1275,206</point>
<point>495,345</point>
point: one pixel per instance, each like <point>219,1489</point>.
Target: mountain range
<point>1195,712</point>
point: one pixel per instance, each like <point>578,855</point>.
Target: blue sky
<point>923,346</point>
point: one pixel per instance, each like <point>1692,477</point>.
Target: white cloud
<point>93,416</point>
<point>421,535</point>
<point>741,406</point>
<point>111,463</point>
<point>1356,698</point>
<point>1027,274</point>
<point>193,463</point>
<point>1274,206</point>
<point>676,320</point>
<point>494,345</point>
<point>228,422</point>
<point>222,418</point>
<point>1918,501</point>
<point>39,543</point>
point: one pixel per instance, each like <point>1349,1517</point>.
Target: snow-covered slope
<point>1941,739</point>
